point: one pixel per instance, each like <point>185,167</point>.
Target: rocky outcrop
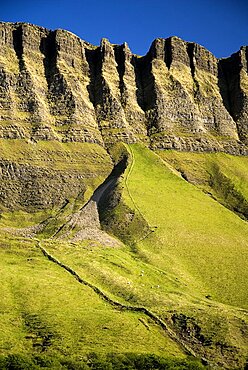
<point>234,71</point>
<point>44,79</point>
<point>54,86</point>
<point>186,92</point>
<point>49,174</point>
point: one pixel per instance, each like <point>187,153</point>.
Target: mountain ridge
<point>177,96</point>
<point>90,194</point>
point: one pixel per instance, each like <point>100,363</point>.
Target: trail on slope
<point>119,305</point>
<point>93,203</point>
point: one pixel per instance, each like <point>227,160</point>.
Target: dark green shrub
<point>47,362</point>
<point>70,364</point>
<point>95,361</point>
<point>19,362</point>
<point>133,361</point>
<point>2,362</point>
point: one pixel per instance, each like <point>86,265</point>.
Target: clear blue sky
<point>219,25</point>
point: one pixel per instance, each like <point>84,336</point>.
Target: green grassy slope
<point>45,310</point>
<point>186,266</point>
<point>190,269</point>
<point>195,234</point>
<point>223,176</point>
<point>86,157</point>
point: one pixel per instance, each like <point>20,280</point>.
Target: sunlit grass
<point>41,301</point>
<point>196,236</point>
<point>194,262</point>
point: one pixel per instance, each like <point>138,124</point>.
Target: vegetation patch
<point>96,361</point>
<point>220,175</point>
<point>178,262</point>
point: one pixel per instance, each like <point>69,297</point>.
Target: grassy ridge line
<point>119,305</point>
<point>126,179</point>
<point>130,168</point>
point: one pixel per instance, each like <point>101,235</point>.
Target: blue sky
<point>221,26</point>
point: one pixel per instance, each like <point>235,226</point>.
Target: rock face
<point>54,87</point>
<point>49,174</point>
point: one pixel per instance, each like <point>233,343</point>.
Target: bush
<point>47,362</point>
<point>19,362</point>
<point>131,361</point>
<point>95,361</point>
<point>74,365</point>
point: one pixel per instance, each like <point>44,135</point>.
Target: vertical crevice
<point>96,84</point>
<point>60,95</point>
<point>146,90</point>
<point>18,46</point>
<point>191,55</point>
<point>146,82</point>
<point>48,49</point>
<point>224,88</point>
<point>231,67</point>
<point>168,53</point>
<point>120,60</point>
<point>190,51</point>
<point>138,64</point>
<point>24,86</point>
<point>93,58</point>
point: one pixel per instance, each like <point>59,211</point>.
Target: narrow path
<point>119,305</point>
<point>126,179</point>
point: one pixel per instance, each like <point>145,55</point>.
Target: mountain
<point>123,204</point>
<point>55,86</point>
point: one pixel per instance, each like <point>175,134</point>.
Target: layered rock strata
<point>54,86</point>
<point>60,90</point>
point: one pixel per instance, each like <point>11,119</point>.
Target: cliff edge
<point>54,86</point>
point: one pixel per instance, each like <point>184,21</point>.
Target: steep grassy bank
<point>182,267</point>
<point>45,311</point>
<point>194,233</point>
<point>223,176</point>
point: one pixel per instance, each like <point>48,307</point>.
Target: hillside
<point>123,204</point>
<point>55,86</point>
<point>60,92</point>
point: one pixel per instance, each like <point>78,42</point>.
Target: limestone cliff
<point>56,88</point>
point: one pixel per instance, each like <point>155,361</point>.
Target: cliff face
<point>55,86</point>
